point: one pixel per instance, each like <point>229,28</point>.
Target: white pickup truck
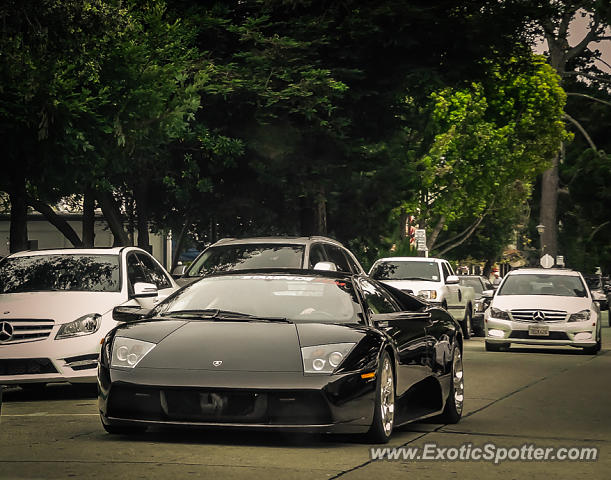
<point>432,279</point>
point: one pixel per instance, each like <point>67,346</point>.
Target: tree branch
<point>586,75</point>
<point>464,238</point>
<point>54,219</point>
<point>594,99</point>
<point>582,130</point>
<point>436,231</point>
<point>590,37</point>
<point>597,229</point>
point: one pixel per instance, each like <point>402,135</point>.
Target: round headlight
<point>132,359</point>
<point>122,352</point>
<point>318,364</point>
<point>335,359</point>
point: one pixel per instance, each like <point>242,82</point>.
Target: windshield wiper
<point>419,278</point>
<point>201,313</point>
<point>229,315</point>
<point>217,314</point>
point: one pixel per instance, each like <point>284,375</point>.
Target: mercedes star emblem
<point>217,363</point>
<point>539,316</point>
<point>6,331</point>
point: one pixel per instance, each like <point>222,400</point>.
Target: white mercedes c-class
<point>537,306</point>
<point>57,305</point>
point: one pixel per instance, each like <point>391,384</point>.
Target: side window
<point>446,270</point>
<point>154,271</point>
<point>376,299</point>
<point>353,265</point>
<point>135,273</point>
<point>336,255</point>
<point>317,254</point>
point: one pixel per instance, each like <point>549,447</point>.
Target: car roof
<point>72,251</point>
<point>275,239</point>
<point>410,259</point>
<point>544,271</point>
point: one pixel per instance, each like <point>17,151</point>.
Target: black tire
<point>496,347</point>
<point>478,331</point>
<point>466,323</point>
<point>452,412</point>
<point>384,409</point>
<point>123,429</point>
<point>594,349</point>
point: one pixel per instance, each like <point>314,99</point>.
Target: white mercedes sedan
<point>537,306</point>
<point>57,305</point>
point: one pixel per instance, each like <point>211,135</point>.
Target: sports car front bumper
<point>340,403</point>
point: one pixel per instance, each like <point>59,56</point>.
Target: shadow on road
<point>38,392</point>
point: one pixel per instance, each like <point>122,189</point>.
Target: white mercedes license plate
<point>538,330</point>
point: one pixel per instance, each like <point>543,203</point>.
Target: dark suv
<point>270,252</point>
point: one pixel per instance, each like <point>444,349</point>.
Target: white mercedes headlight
<point>324,358</point>
<point>85,325</point>
<point>582,316</point>
<point>127,352</point>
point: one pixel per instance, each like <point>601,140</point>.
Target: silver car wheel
<point>458,381</point>
<point>387,397</point>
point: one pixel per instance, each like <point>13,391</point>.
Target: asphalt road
<point>525,398</point>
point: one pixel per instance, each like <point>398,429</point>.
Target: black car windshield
<point>406,270</point>
<point>247,256</point>
<point>292,297</point>
<point>543,284</point>
<point>68,272</point>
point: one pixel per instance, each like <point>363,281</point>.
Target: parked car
<point>479,283</point>
<point>313,351</point>
<point>57,305</point>
<point>270,252</point>
<point>595,284</point>
<point>537,306</point>
<point>432,279</point>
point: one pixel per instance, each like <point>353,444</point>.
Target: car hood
<point>228,346</point>
<point>541,302</point>
<point>62,307</point>
<point>414,285</point>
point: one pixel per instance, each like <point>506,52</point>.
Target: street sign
<point>547,261</point>
<point>560,260</point>
<point>420,236</point>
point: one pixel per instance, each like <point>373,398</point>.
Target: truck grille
<point>27,330</point>
<point>538,316</point>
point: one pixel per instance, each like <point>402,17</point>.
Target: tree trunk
<point>142,224</point>
<point>88,221</point>
<point>18,236</point>
<point>113,216</point>
<point>306,217</point>
<point>432,239</point>
<point>320,209</point>
<point>179,243</point>
<point>548,209</point>
<point>58,222</point>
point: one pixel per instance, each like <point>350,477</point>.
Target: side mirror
<point>179,271</point>
<point>144,290</point>
<point>126,313</point>
<point>452,280</point>
<point>488,294</point>
<point>326,266</point>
